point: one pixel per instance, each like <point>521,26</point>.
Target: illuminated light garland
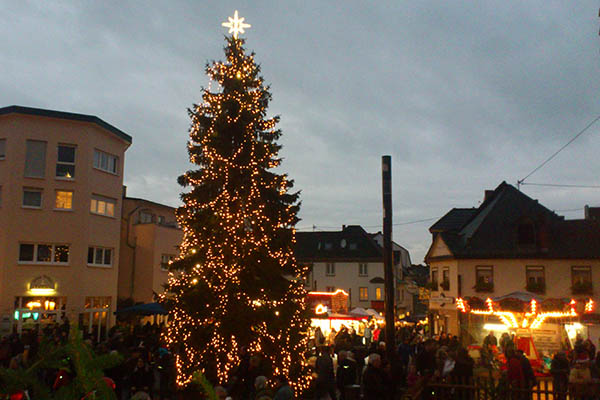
<point>338,291</point>
<point>589,306</point>
<point>237,220</point>
<point>320,309</point>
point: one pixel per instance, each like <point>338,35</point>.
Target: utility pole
<point>388,259</point>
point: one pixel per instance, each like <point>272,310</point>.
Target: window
<point>581,278</point>
<point>105,162</point>
<point>35,159</point>
<point>165,260</point>
<point>534,279</point>
<point>434,279</point>
<point>65,162</point>
<point>445,279</point>
<point>103,206</point>
<point>2,149</point>
<point>363,293</point>
<point>64,200</point>
<point>328,246</point>
<point>378,294</point>
<point>161,220</point>
<point>32,197</point>
<point>330,289</point>
<point>99,256</point>
<point>484,278</point>
<point>363,269</point>
<point>330,269</point>
<point>43,253</point>
<point>145,217</point>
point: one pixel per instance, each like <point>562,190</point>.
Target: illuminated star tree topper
<point>236,25</point>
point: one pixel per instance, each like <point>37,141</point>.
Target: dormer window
<point>526,233</point>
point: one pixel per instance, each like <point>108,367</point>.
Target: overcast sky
<point>461,94</point>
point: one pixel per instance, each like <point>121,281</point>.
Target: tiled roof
<point>351,243</point>
<point>492,231</point>
<point>66,115</point>
<point>453,220</point>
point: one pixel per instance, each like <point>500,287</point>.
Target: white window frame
<point>97,199</point>
<point>96,250</point>
<point>166,259</point>
<point>2,148</point>
<point>363,269</point>
<point>97,162</point>
<point>66,162</point>
<point>55,196</point>
<point>330,269</point>
<point>52,254</point>
<point>33,190</point>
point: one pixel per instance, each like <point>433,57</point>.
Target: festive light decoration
<point>328,293</point>
<point>509,319</point>
<point>320,309</point>
<point>236,283</point>
<point>236,25</point>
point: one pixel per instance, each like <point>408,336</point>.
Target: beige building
<point>352,260</point>
<point>61,177</point>
<point>150,238</point>
<point>510,247</point>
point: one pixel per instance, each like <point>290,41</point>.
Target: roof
<point>66,115</point>
<point>351,243</point>
<point>137,199</point>
<point>491,231</point>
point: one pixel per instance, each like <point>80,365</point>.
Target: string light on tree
<point>236,283</point>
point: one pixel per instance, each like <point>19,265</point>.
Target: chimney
<point>343,227</point>
<point>591,213</point>
<point>487,195</point>
<point>124,191</point>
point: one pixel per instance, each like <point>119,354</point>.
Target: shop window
<point>64,200</point>
<point>32,198</point>
<point>65,162</point>
<point>99,256</point>
<point>35,159</point>
<point>105,162</point>
<point>535,279</point>
<point>103,206</point>
<point>581,278</point>
<point>330,269</point>
<point>43,253</point>
<point>484,278</point>
<point>165,261</point>
<point>363,293</point>
<point>363,269</point>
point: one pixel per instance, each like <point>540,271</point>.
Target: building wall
<point>78,228</point>
<point>140,263</point>
<point>509,276</point>
<point>347,277</point>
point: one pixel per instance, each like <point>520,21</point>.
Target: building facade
<point>61,177</point>
<point>150,238</point>
<point>510,247</point>
<point>352,260</point>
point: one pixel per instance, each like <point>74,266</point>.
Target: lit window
<point>65,164</point>
<point>165,260</point>
<point>2,149</point>
<point>32,197</point>
<point>363,293</point>
<point>105,162</point>
<point>43,253</point>
<point>64,200</point>
<point>330,269</point>
<point>378,294</point>
<point>99,256</point>
<point>103,206</point>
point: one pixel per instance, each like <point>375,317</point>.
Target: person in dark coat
<point>142,377</point>
<point>346,373</point>
<point>528,374</point>
<point>560,375</point>
<point>374,380</point>
<point>325,381</point>
<point>283,391</point>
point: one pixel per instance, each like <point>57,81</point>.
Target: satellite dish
<point>343,243</point>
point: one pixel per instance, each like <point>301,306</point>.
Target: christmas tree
<point>236,282</point>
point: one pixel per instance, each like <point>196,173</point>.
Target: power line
<point>370,226</point>
<point>562,185</point>
<point>520,182</point>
